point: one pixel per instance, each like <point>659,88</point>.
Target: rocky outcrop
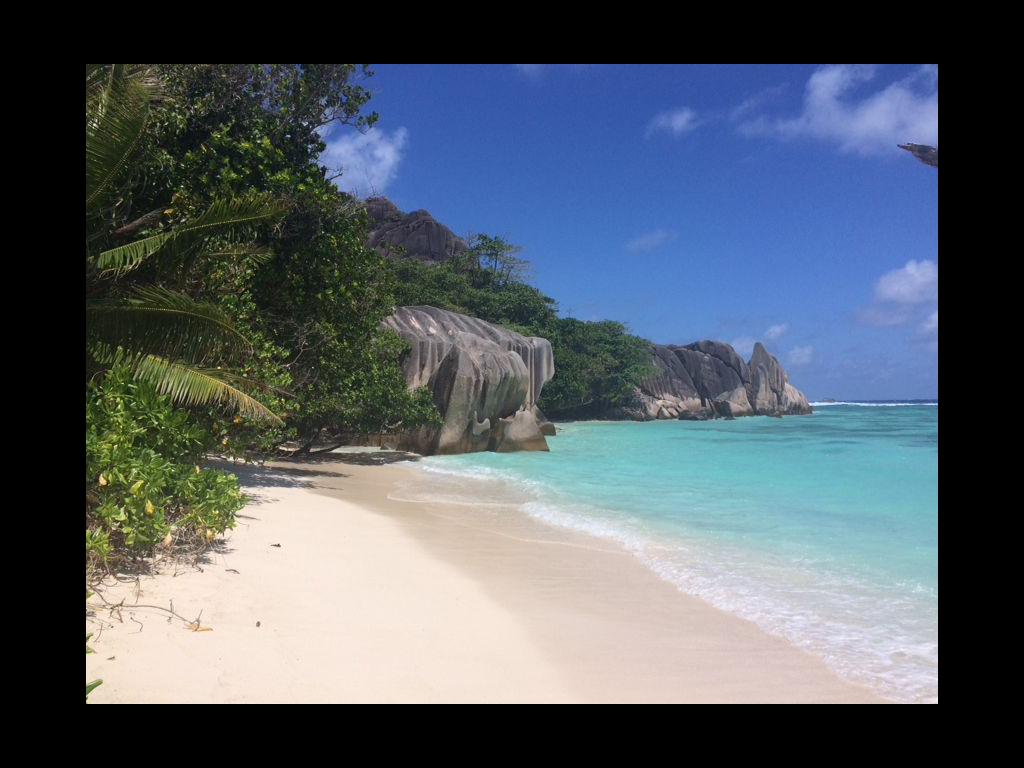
<point>708,379</point>
<point>416,235</point>
<point>485,381</point>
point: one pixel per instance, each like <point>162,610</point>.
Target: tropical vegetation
<point>231,302</point>
<point>233,306</point>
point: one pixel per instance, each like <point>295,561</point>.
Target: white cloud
<point>368,161</point>
<point>531,70</point>
<point>650,240</point>
<point>915,283</point>
<point>536,71</point>
<point>883,316</point>
<point>907,110</point>
<point>903,296</point>
<point>931,325</point>
<point>800,355</point>
<point>744,346</point>
<point>776,331</point>
<point>676,122</point>
<point>756,101</point>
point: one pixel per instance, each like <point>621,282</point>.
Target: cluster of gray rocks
<point>486,381</point>
<point>707,380</point>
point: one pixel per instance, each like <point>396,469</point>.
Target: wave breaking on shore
<point>812,604</point>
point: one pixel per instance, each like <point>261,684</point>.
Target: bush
<point>144,485</point>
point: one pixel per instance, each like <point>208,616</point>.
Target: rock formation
<point>485,381</point>
<point>420,235</point>
<point>707,379</point>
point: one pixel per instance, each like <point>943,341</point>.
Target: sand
<point>371,599</point>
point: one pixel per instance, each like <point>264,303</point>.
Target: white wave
<point>872,405</point>
<point>876,638</point>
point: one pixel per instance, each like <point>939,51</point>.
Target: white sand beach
<point>370,599</point>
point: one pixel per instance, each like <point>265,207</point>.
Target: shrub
<point>144,485</point>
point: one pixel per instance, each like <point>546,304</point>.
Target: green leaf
<point>90,687</point>
<point>117,105</point>
<point>231,218</point>
<point>194,387</point>
<point>162,322</point>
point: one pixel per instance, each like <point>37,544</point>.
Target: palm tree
<point>167,338</point>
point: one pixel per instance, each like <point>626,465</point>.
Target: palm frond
<point>234,217</point>
<point>188,386</point>
<point>258,253</point>
<point>100,77</point>
<point>125,258</point>
<point>237,378</point>
<point>163,322</point>
<point>231,218</point>
<point>117,105</point>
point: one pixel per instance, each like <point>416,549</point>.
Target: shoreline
<point>375,599</point>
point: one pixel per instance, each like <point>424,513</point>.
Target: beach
<point>369,598</point>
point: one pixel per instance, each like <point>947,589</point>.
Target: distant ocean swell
<point>825,403</point>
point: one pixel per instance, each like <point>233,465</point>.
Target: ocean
<point>822,529</point>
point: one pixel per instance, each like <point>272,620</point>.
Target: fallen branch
<point>121,605</point>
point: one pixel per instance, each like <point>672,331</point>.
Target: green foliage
<point>225,218</point>
<point>597,364</point>
<point>90,687</point>
<point>117,105</point>
<point>312,302</point>
<point>162,336</point>
<point>143,482</point>
<point>379,401</point>
<point>479,293</point>
<point>497,258</point>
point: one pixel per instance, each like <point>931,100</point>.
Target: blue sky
<point>737,203</point>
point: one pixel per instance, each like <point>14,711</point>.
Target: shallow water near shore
<point>821,529</point>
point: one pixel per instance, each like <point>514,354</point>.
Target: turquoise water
<point>822,528</point>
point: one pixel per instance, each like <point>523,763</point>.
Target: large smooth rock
<point>485,381</point>
<point>519,432</point>
<point>418,234</point>
<point>708,379</point>
<point>720,376</point>
<point>546,427</point>
<point>769,389</point>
